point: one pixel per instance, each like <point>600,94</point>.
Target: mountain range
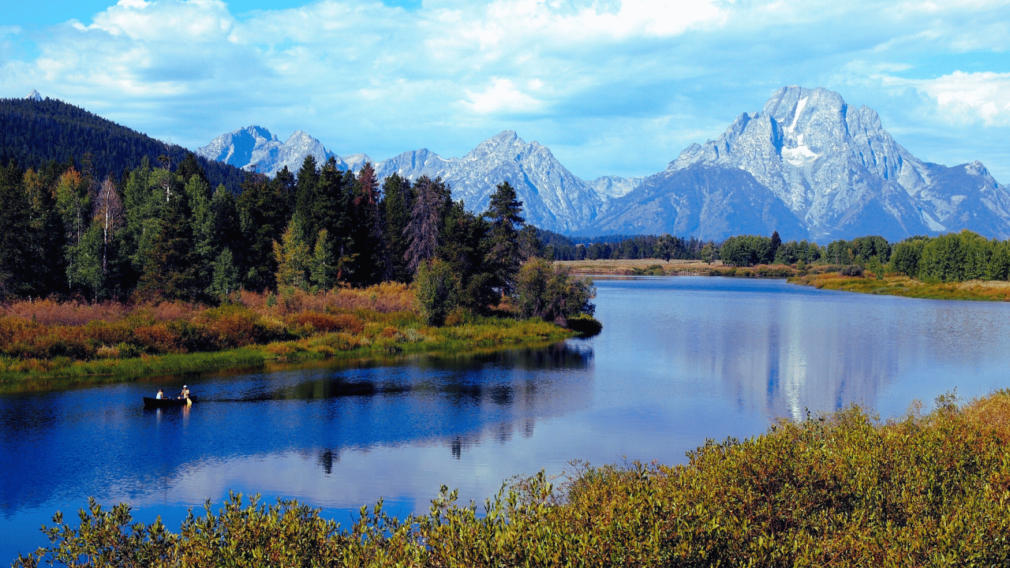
<point>807,165</point>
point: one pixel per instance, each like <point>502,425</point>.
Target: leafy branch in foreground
<point>837,490</point>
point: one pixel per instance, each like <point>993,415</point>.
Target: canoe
<point>166,402</point>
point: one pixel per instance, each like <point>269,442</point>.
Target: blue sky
<point>611,86</point>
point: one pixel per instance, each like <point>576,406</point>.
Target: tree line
<point>34,134</point>
<point>167,234</point>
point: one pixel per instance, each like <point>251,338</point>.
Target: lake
<point>680,360</point>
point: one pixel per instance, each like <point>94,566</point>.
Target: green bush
<point>436,288</point>
<point>549,292</point>
<point>836,490</point>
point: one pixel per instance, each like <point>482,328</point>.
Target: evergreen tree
<point>170,270</point>
<point>422,232</point>
<point>305,196</point>
<point>16,246</point>
<point>366,228</point>
<point>263,217</point>
<point>47,234</point>
<point>397,204</point>
<point>503,258</point>
<point>463,248</point>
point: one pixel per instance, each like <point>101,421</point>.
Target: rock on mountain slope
<point>256,148</point>
<point>703,201</point>
<point>414,164</point>
<point>553,198</point>
<point>838,171</point>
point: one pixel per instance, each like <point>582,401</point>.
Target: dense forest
<point>35,134</point>
<point>168,234</point>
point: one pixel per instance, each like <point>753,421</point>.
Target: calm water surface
<point>679,360</point>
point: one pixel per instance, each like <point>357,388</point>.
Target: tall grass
<point>838,490</point>
<point>39,341</point>
<point>895,285</point>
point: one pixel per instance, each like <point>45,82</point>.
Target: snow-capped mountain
<point>255,148</point>
<point>836,170</point>
<point>414,164</point>
<point>807,165</point>
<point>553,198</point>
<point>34,96</point>
<point>615,186</point>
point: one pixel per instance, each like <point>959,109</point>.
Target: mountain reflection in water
<point>679,360</point>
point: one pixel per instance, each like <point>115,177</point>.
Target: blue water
<point>679,360</point>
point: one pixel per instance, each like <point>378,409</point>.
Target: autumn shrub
<point>52,312</point>
<point>233,326</point>
<point>158,338</point>
<point>836,490</point>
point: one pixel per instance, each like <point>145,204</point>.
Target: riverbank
<point>48,341</point>
<point>655,267</point>
<point>893,285</point>
<point>843,489</point>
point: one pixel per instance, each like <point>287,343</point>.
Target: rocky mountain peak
<point>34,96</point>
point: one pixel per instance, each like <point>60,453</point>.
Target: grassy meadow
<point>654,267</point>
<point>46,340</point>
<point>897,285</point>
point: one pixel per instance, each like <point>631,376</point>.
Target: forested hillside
<point>34,134</point>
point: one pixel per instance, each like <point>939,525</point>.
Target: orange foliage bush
<point>51,312</point>
<point>159,338</point>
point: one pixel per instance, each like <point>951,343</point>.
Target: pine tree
<point>170,270</point>
<point>426,216</point>
<point>305,195</point>
<point>16,250</point>
<point>503,258</point>
<point>397,203</point>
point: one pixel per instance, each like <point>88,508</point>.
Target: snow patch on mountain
<point>34,96</point>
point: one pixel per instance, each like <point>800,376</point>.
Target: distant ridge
<point>34,133</point>
<point>34,96</point>
<point>807,165</point>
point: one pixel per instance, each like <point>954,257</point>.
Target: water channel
<point>680,359</point>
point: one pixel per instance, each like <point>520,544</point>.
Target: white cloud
<point>971,97</point>
<point>501,96</point>
<point>363,76</point>
<point>165,20</point>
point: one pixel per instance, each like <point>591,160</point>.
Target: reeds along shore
<point>898,285</point>
<point>842,489</point>
<point>48,339</point>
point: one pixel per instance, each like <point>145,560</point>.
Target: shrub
<point>436,288</point>
<point>851,270</point>
<point>836,490</point>
<point>550,292</point>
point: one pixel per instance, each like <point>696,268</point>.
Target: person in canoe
<point>160,395</point>
<point>185,392</point>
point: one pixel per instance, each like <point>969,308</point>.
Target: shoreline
<point>489,335</point>
<point>829,279</point>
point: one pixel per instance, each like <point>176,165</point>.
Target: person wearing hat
<point>185,392</point>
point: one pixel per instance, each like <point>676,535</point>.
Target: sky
<point>612,87</point>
